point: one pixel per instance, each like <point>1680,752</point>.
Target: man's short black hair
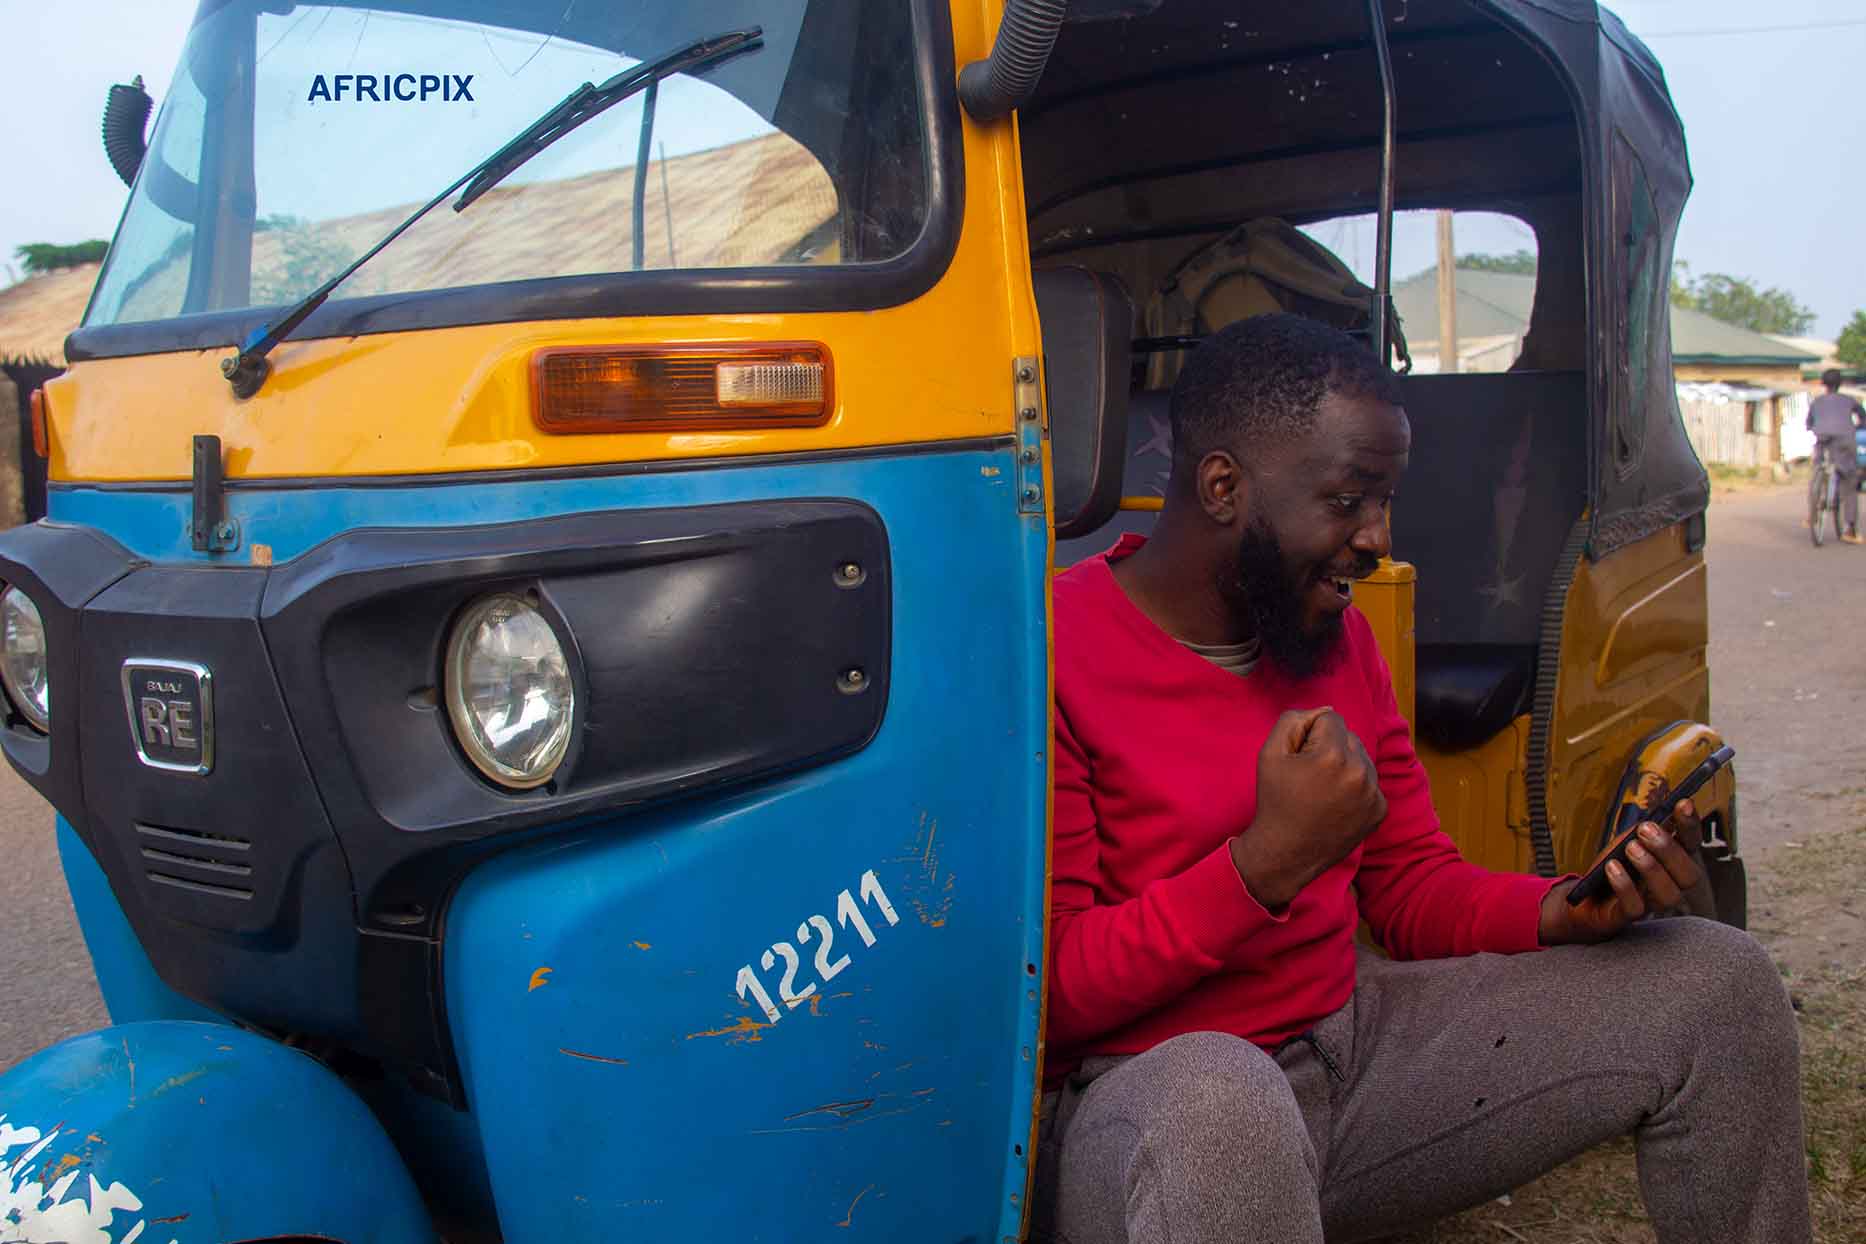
<point>1261,381</point>
<point>1831,378</point>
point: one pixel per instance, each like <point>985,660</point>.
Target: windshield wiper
<point>247,370</point>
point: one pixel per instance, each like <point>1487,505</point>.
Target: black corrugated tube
<point>126,111</point>
<point>993,87</point>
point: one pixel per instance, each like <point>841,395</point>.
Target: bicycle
<point>1823,494</point>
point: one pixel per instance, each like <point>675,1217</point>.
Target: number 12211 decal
<point>816,929</point>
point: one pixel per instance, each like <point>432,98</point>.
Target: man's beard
<point>1267,598</point>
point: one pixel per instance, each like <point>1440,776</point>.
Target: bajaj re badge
<point>171,708</point>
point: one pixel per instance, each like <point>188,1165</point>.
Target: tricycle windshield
<point>295,135</point>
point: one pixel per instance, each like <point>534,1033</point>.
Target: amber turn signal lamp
<point>702,388</point>
<point>40,444</point>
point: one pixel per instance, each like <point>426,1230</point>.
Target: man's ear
<point>1222,487</point>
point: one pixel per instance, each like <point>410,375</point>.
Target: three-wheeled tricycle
<point>545,685</point>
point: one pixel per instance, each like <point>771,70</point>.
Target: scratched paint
<point>841,1116</point>
<point>594,1058</point>
<point>849,1217</point>
<point>743,1028</point>
<point>34,1211</point>
<point>929,889</point>
<point>175,1082</point>
<point>841,1109</point>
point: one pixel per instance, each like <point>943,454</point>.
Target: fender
<point>172,1131</point>
<point>1662,761</point>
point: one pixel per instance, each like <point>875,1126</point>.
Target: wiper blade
<point>247,370</point>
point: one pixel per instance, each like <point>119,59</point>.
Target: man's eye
<point>1347,502</point>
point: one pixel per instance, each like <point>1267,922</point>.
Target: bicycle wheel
<point>1817,504</point>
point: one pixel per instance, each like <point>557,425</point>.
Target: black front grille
<point>201,863</point>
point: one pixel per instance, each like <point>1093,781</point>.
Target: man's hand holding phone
<point>1661,870</point>
<point>1645,868</point>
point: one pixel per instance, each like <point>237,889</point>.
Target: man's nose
<point>1374,537</point>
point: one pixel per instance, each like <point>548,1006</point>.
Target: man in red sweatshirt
<point>1235,788</point>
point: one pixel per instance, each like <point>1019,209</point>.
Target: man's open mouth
<point>1335,588</point>
<point>1333,593</point>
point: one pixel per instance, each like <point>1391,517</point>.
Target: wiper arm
<point>247,370</point>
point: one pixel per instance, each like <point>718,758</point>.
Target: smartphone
<point>1595,884</point>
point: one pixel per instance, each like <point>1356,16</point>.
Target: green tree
<point>1518,263</point>
<point>1736,300</point>
<point>1851,348</point>
<point>41,257</point>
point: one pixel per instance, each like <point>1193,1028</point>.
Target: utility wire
<point>1744,30</point>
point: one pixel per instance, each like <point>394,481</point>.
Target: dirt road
<point>47,990</point>
<point>1787,677</point>
<point>1788,666</point>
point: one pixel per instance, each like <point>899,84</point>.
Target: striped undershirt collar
<point>1239,659</point>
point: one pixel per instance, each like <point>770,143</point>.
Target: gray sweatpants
<point>1444,1084</point>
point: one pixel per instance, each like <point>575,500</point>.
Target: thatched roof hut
<point>36,313</point>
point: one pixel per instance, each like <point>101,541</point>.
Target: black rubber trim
<point>705,291</point>
<point>1729,876</point>
<point>1542,714</point>
<point>1729,882</point>
<point>529,475</point>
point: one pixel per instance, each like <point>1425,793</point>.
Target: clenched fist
<point>1318,796</point>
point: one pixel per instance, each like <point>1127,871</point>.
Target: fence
<point>1732,433</point>
<point>1741,426</point>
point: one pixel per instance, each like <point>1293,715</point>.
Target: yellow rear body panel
<point>1635,643</point>
<point>1481,798</point>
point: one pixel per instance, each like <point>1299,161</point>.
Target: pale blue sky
<point>1772,117</point>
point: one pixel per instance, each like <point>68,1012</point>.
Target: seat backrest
<point>1088,333</point>
<point>1497,479</point>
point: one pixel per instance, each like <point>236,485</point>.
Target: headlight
<point>22,658</point>
<point>509,693</point>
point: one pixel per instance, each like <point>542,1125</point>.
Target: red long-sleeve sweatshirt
<point>1152,932</point>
